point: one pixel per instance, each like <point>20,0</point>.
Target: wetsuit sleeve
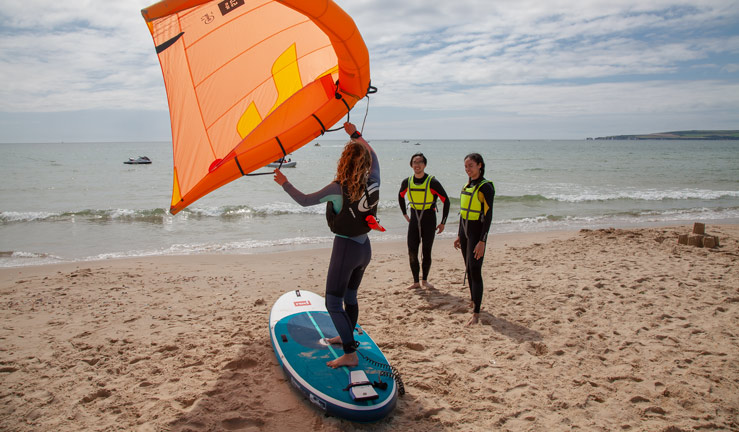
<point>488,196</point>
<point>401,195</point>
<point>439,191</point>
<point>330,192</point>
<point>374,176</point>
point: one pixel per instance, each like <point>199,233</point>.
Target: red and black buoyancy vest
<point>351,221</point>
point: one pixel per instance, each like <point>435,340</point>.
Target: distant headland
<point>679,135</point>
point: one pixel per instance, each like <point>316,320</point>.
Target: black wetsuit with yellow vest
<point>476,215</point>
<point>422,194</point>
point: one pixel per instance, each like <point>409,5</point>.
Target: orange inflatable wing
<point>249,81</point>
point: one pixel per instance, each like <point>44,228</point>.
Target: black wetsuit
<point>349,259</point>
<point>425,232</point>
<point>475,232</point>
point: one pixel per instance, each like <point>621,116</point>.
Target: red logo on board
<point>302,303</point>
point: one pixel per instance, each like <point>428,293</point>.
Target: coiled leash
<point>387,370</point>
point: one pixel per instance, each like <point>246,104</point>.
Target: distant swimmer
<point>350,199</point>
<point>475,218</point>
<point>422,191</point>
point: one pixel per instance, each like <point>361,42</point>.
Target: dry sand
<point>598,330</point>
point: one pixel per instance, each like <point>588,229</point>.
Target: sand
<point>598,330</point>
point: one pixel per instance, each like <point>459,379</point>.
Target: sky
<point>86,70</point>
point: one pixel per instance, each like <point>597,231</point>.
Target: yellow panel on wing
<point>176,197</point>
<point>286,74</point>
<point>249,120</point>
<point>286,77</point>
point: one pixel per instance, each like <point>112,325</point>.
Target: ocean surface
<point>63,202</point>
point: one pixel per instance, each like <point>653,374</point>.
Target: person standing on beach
<point>475,217</point>
<point>422,191</point>
<point>350,199</point>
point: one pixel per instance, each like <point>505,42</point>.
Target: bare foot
<point>348,360</point>
<point>428,285</point>
<point>474,320</point>
<point>415,285</point>
<point>336,340</point>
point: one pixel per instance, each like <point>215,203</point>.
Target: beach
<point>606,329</point>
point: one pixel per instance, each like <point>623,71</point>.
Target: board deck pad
<point>299,323</point>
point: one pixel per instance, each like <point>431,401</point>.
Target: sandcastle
<point>698,238</point>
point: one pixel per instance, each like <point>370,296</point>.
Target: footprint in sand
<point>168,348</point>
<point>537,348</point>
<point>415,346</point>
<point>100,394</point>
<point>244,363</point>
<point>241,423</point>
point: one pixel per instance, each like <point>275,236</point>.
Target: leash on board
<point>387,370</point>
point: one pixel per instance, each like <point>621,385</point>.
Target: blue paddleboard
<point>299,325</point>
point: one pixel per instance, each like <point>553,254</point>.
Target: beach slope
<point>592,330</point>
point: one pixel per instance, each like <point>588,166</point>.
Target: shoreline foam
<point>15,259</point>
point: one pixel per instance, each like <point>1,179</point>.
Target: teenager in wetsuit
<point>349,198</point>
<point>422,191</point>
<point>476,215</point>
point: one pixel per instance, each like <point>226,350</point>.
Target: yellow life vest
<point>470,204</point>
<point>420,196</point>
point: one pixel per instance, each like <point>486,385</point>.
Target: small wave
<point>22,259</point>
<point>248,246</point>
<point>552,221</point>
<point>160,215</point>
<point>646,195</point>
<point>522,199</point>
<point>11,216</point>
<point>231,213</point>
<point>129,215</point>
<point>581,196</point>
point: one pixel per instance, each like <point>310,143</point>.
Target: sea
<point>76,202</point>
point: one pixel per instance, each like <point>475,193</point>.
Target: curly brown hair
<point>353,169</point>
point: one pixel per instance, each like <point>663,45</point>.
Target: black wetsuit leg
<point>414,240</point>
<point>428,228</point>
<point>474,266</point>
<point>349,259</point>
<point>426,238</point>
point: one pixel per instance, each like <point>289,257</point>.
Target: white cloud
<point>528,60</point>
<point>77,55</point>
<point>555,59</point>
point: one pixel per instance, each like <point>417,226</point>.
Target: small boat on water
<point>141,160</point>
<point>283,163</point>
